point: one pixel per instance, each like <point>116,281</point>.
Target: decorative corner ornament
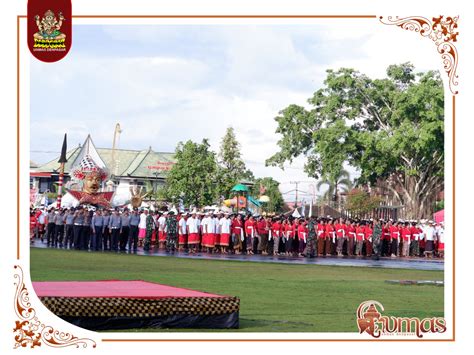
<point>441,31</point>
<point>30,331</point>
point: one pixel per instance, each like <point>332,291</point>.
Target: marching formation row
<point>218,232</point>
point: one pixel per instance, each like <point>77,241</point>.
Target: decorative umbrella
<point>240,187</point>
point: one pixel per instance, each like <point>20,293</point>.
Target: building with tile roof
<point>127,167</point>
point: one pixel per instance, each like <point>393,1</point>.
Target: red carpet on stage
<point>113,304</point>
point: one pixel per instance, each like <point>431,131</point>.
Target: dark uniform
<point>125,231</point>
<point>69,235</point>
<point>115,225</point>
<point>310,250</point>
<point>50,229</point>
<point>78,223</point>
<point>171,233</point>
<point>59,229</point>
<point>150,226</point>
<point>97,228</point>
<point>106,237</point>
<point>86,231</point>
<point>133,236</point>
<point>376,242</point>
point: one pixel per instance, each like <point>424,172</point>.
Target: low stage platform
<point>113,304</point>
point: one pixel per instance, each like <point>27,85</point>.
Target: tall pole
<point>117,132</point>
<point>60,186</point>
<point>296,195</point>
<point>62,160</point>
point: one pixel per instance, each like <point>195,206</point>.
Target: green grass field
<point>273,297</point>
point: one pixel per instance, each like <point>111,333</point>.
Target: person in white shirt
<point>215,232</point>
<point>198,223</point>
<point>182,232</point>
<point>142,227</point>
<point>440,237</point>
<point>224,224</point>
<point>192,224</point>
<point>161,230</point>
<point>429,233</point>
<point>207,233</point>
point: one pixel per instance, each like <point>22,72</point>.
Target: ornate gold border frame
<point>442,32</point>
<point>30,331</point>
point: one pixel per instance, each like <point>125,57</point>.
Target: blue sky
<point>169,83</point>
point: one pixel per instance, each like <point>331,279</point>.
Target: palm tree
<point>341,183</point>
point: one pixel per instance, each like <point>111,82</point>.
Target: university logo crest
<point>49,29</point>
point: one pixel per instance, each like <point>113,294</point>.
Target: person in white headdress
<point>192,224</point>
<point>225,229</point>
<point>207,224</point>
<point>182,231</point>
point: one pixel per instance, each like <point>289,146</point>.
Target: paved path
<point>389,263</point>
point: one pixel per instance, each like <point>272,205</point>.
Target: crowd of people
<point>218,232</point>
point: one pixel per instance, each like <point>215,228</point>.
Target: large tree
<point>269,187</point>
<point>391,129</point>
<point>192,178</point>
<point>232,169</point>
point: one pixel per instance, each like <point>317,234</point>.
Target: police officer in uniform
<point>97,228</point>
<point>59,229</point>
<point>115,225</point>
<point>50,231</point>
<point>125,230</point>
<point>106,230</point>
<point>133,236</point>
<point>69,234</point>
<point>78,223</point>
<point>86,229</point>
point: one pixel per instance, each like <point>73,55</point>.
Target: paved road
<point>389,263</point>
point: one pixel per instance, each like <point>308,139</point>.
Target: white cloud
<point>392,45</point>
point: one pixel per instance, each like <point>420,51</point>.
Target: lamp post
<point>313,189</point>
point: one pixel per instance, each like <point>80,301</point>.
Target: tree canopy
<point>232,169</point>
<point>271,189</point>
<point>192,178</point>
<point>390,129</point>
<point>360,203</point>
<point>342,183</point>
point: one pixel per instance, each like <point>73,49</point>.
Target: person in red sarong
<point>182,232</point>
<point>225,229</point>
<point>192,224</point>
<point>237,233</point>
<point>33,226</point>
